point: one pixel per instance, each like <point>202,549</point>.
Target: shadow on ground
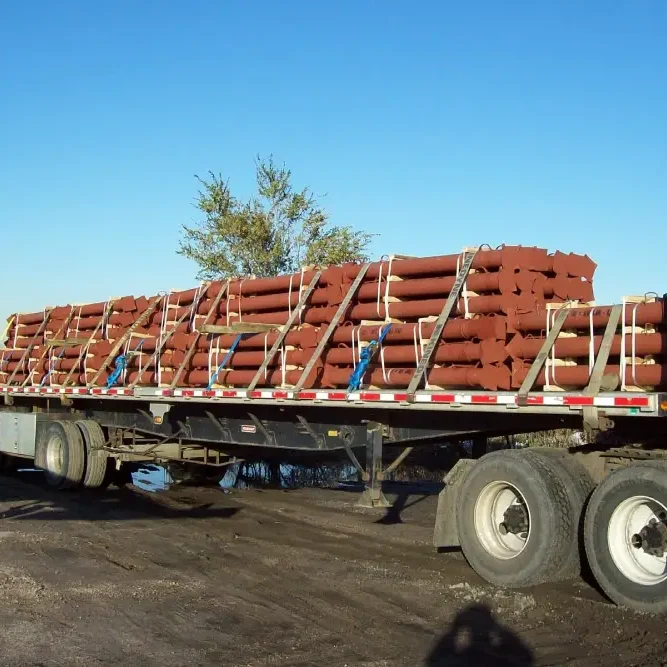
<point>31,499</point>
<point>476,638</point>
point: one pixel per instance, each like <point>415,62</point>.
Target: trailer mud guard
<point>445,533</point>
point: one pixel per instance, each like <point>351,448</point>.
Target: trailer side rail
<point>619,403</point>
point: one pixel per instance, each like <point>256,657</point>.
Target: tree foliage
<point>278,230</point>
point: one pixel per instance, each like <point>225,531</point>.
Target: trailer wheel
<point>514,520</point>
<point>625,534</point>
<point>61,452</point>
<point>97,460</point>
<point>578,485</point>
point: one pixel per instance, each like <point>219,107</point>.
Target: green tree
<point>278,230</point>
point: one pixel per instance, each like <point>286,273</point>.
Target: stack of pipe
<point>636,357</point>
<point>490,340</point>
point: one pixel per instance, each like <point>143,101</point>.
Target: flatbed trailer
<point>520,517</point>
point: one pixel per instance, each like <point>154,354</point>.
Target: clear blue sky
<point>435,124</point>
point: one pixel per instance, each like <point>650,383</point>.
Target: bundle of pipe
<point>408,293</point>
<point>637,355</point>
<point>29,353</point>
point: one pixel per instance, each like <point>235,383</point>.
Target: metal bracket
<point>542,356</point>
<point>319,439</point>
<point>342,309</point>
<point>284,331</point>
<point>269,437</point>
<point>225,432</point>
<point>158,411</point>
<point>434,341</point>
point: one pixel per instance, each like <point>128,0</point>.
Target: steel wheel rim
<point>490,507</point>
<point>54,455</point>
<point>626,521</point>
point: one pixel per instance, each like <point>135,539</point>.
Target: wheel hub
<point>515,520</point>
<point>652,538</point>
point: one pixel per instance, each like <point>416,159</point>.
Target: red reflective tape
<point>442,398</point>
<point>401,397</point>
<point>632,402</point>
<point>308,395</point>
<point>208,393</point>
<point>337,396</point>
<point>255,394</point>
<point>229,393</point>
<point>99,391</point>
<point>369,396</point>
<point>279,394</point>
<point>578,400</point>
<point>484,398</point>
<point>188,393</point>
<point>167,392</point>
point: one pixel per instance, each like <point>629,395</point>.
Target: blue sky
<point>434,124</point>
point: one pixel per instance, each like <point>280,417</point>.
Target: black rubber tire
<point>96,458</point>
<point>579,485</point>
<point>553,529</point>
<point>648,478</point>
<point>69,473</point>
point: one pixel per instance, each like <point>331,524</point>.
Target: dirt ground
<point>201,577</point>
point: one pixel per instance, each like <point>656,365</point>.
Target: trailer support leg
<point>373,496</point>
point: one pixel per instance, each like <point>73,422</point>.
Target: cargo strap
<point>342,309</point>
<point>542,356</point>
<point>228,356</point>
<point>285,330</point>
<point>434,341</point>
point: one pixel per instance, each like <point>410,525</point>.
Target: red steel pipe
<point>647,375</point>
<point>579,318</point>
<point>500,281</point>
<point>508,257</point>
<point>492,378</point>
<point>481,327</point>
<point>521,347</point>
<point>405,310</point>
<point>488,352</point>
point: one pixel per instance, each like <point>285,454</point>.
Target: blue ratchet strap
<point>121,364</point>
<point>235,344</point>
<point>365,358</point>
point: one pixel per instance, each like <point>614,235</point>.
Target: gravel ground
<point>275,578</point>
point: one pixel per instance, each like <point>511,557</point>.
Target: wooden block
<point>240,327</point>
<point>65,342</point>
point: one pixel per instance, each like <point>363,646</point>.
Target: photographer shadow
<point>476,638</point>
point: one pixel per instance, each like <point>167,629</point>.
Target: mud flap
<point>445,533</point>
